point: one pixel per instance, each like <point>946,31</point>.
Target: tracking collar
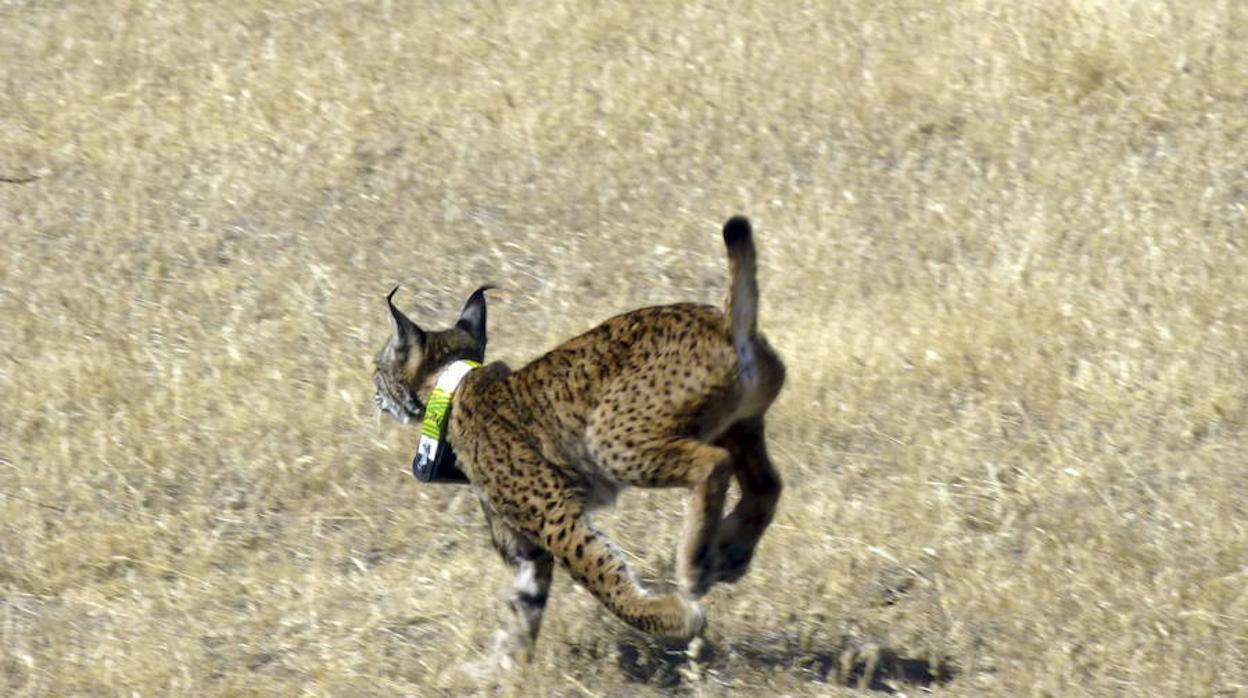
<point>435,461</point>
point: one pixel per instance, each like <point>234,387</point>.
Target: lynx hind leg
<point>739,533</point>
<point>705,508</point>
<point>595,562</point>
<point>533,568</point>
<point>665,461</point>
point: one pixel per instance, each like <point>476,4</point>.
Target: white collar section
<point>435,461</point>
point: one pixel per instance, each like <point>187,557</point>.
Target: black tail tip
<point>737,231</point>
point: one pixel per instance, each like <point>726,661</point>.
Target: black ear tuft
<point>406,333</point>
<point>472,317</point>
<point>737,230</point>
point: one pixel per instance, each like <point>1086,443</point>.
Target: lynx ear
<point>472,317</point>
<point>406,334</point>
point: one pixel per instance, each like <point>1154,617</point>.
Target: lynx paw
<point>673,618</point>
<point>726,560</point>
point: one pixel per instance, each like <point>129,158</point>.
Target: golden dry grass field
<point>1003,253</point>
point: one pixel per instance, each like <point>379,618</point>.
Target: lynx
<point>665,396</point>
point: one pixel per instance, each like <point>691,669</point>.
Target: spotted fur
<point>666,396</point>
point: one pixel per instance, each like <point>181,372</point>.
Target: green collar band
<point>434,460</point>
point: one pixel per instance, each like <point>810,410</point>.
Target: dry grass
<point>1003,249</point>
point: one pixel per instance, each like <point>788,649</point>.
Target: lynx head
<point>408,366</point>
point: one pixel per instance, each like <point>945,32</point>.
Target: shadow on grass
<point>847,663</point>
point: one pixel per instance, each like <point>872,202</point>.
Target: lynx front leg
<point>533,568</point>
<point>593,560</point>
